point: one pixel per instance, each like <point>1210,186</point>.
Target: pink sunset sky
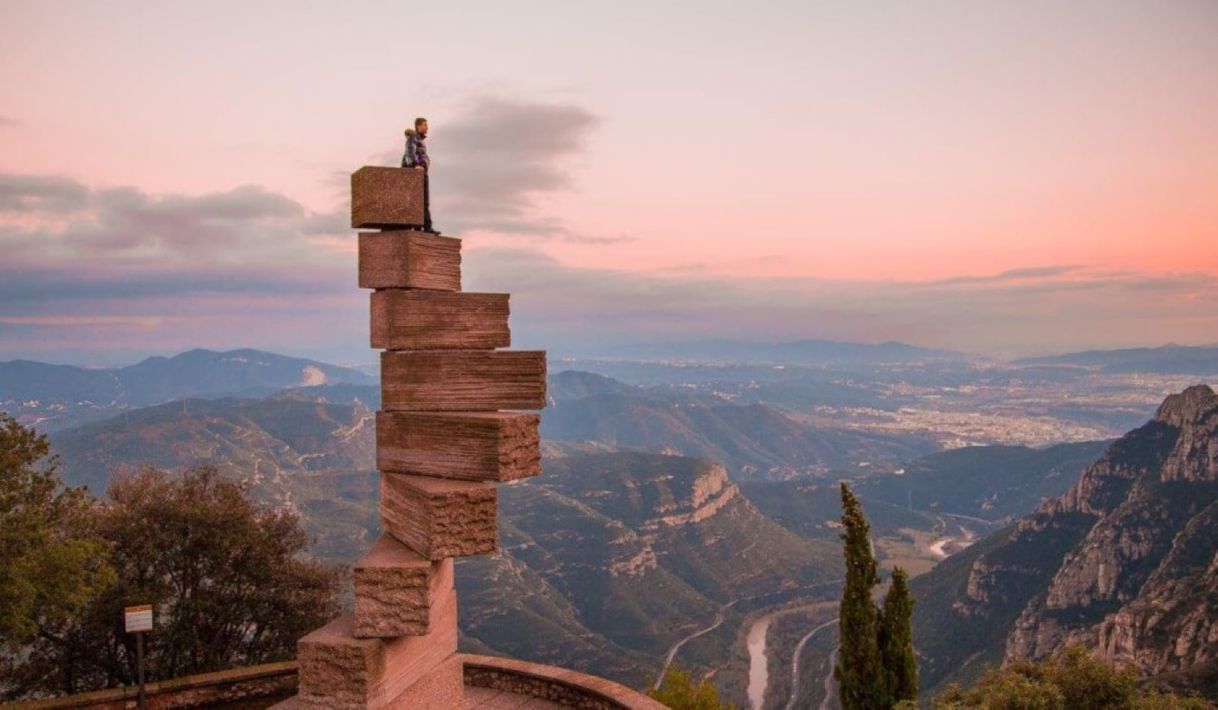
<point>1004,178</point>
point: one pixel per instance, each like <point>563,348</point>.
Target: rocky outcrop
<point>1195,413</point>
<point>610,558</point>
<point>710,492</point>
<point>1125,562</point>
<point>1172,625</point>
<point>1190,408</point>
<point>1140,586</point>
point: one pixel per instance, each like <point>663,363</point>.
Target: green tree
<point>50,564</point>
<point>896,639</point>
<point>859,673</point>
<point>1072,680</point>
<point>224,574</point>
<point>679,692</point>
<point>1089,683</point>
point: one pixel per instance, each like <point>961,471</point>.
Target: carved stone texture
<point>438,380</point>
<point>439,320</point>
<point>475,446</point>
<point>339,671</point>
<point>439,518</point>
<point>395,588</point>
<point>441,689</point>
<point>405,259</point>
<point>384,198</point>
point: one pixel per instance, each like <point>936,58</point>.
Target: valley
<point>687,518</point>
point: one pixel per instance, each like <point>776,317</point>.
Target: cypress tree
<point>859,672</point>
<point>896,639</point>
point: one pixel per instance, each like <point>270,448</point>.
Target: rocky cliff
<point>1125,562</point>
<point>610,558</point>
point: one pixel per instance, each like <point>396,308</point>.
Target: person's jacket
<point>416,151</point>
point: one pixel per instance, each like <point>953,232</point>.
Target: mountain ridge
<point>806,351</point>
<point>1166,359</point>
<point>1125,562</point>
<point>59,396</point>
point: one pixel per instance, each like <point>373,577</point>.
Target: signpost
<point>138,619</point>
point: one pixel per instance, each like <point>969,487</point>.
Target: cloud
<point>40,193</point>
<point>582,311</point>
<point>87,271</point>
<point>132,320</point>
<point>585,239</point>
<point>8,121</point>
<point>1024,274</point>
<point>124,272</point>
<point>52,224</point>
<point>493,163</point>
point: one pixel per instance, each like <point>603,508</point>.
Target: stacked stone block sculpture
<point>450,426</point>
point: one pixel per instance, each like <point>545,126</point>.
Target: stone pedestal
<point>441,442</point>
<point>339,670</point>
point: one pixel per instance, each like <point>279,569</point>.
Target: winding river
<point>759,666</point>
<point>759,676</point>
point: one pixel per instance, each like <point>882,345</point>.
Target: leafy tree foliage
<point>896,640</point>
<point>225,576</point>
<point>679,692</point>
<point>50,564</point>
<point>1073,680</point>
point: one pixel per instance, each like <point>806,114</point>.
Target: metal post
<point>139,660</point>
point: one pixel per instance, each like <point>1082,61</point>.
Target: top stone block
<point>386,198</point>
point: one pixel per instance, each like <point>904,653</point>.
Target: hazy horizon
<point>618,352</point>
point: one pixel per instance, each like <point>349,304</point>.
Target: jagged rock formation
<point>1125,562</point>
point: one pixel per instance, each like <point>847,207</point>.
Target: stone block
<point>339,671</point>
<point>441,689</point>
<point>438,380</point>
<point>406,259</point>
<point>439,518</point>
<point>395,588</point>
<point>386,198</point>
<point>475,446</point>
<point>439,320</point>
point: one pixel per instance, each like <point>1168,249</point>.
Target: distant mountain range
<point>300,447</point>
<point>1168,359</point>
<point>806,352</point>
<point>1125,561</point>
<point>57,396</point>
<point>752,440</point>
<point>635,537</point>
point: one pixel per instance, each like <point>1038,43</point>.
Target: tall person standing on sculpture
<point>416,157</point>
